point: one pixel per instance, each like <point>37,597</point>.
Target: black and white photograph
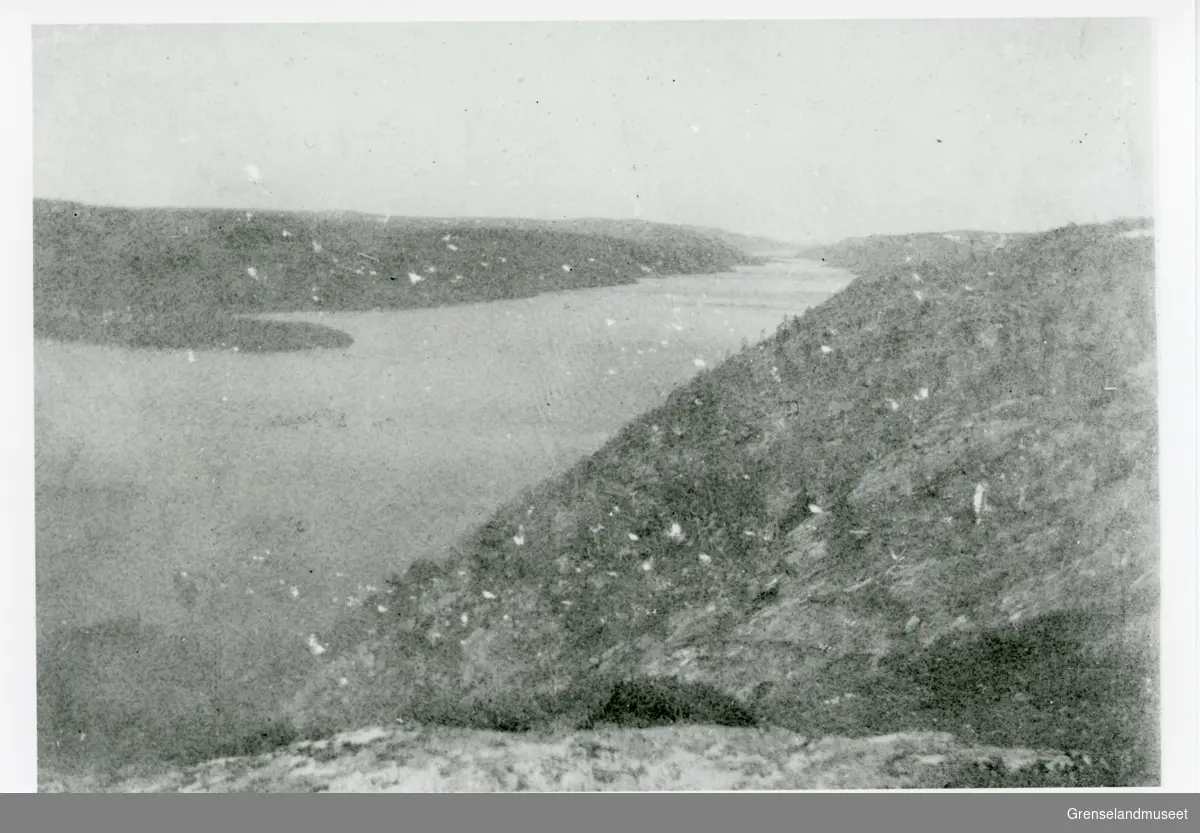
<point>597,405</point>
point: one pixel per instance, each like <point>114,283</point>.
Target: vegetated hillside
<point>881,252</point>
<point>176,277</point>
<point>927,504</point>
<point>870,255</point>
<point>636,229</point>
<point>633,229</point>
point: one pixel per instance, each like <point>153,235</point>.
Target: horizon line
<point>1149,217</point>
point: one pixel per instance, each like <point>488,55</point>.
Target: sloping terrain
<point>177,278</point>
<point>870,255</point>
<point>632,229</point>
<point>927,505</point>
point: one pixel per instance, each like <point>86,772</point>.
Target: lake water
<point>249,498</point>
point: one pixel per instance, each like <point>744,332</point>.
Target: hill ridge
<point>179,278</point>
<point>927,504</point>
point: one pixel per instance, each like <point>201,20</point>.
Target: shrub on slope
<point>927,504</point>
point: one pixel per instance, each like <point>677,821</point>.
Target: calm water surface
<point>252,497</point>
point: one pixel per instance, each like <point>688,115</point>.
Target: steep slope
<point>177,278</point>
<point>929,504</point>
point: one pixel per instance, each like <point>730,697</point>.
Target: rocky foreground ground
<point>661,758</point>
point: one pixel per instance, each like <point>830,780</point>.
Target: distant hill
<point>752,243</point>
<point>928,504</point>
<point>884,251</point>
<point>634,229</point>
<point>157,277</point>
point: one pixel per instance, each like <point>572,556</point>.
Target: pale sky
<point>797,130</point>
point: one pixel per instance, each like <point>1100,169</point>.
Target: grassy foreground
<point>929,504</point>
<point>178,278</point>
